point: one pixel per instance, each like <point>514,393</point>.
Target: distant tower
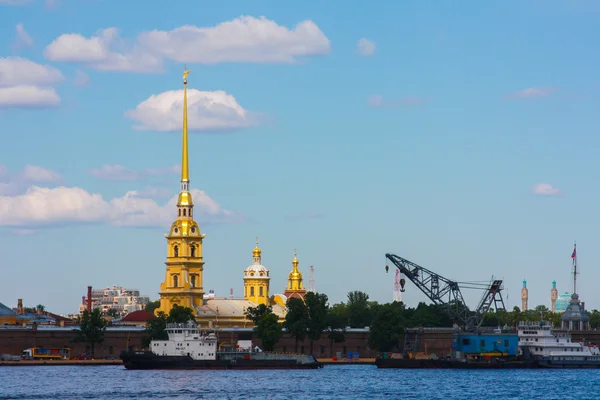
<point>256,279</point>
<point>295,286</point>
<point>397,292</point>
<point>553,296</point>
<point>311,280</point>
<point>231,293</point>
<point>524,296</point>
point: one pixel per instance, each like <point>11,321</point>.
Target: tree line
<point>313,318</point>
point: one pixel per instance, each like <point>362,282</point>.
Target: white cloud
<point>365,47</point>
<point>42,207</point>
<point>530,93</point>
<point>121,173</point>
<point>11,185</point>
<point>244,39</point>
<point>34,173</point>
<point>545,189</point>
<point>28,97</point>
<point>20,71</point>
<point>207,111</point>
<point>81,78</point>
<point>23,38</point>
<point>24,84</point>
<point>98,52</point>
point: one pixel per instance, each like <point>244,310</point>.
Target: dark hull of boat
<point>451,364</point>
<point>560,364</point>
<point>149,360</point>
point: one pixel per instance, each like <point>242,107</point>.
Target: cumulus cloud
<point>28,97</point>
<point>546,189</point>
<point>244,39</point>
<point>23,38</point>
<point>365,47</point>
<point>379,101</point>
<point>99,52</point>
<point>14,184</point>
<point>26,84</point>
<point>121,173</point>
<point>43,207</point>
<point>207,111</point>
<point>34,173</point>
<point>530,93</point>
<point>20,71</point>
<point>81,78</point>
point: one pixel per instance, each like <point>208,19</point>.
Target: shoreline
<point>55,363</point>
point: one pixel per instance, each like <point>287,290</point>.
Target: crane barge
<point>446,293</point>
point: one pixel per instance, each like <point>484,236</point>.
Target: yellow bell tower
<point>256,279</point>
<point>183,280</point>
<point>295,288</point>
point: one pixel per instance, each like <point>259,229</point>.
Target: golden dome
<point>185,199</point>
<point>257,251</point>
<point>295,274</point>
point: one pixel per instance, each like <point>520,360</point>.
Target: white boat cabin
<point>553,344</point>
<point>187,340</point>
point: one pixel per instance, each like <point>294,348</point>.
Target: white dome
<point>256,271</point>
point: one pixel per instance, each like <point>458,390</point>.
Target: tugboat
<point>554,348</point>
<point>190,347</point>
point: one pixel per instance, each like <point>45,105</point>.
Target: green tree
<point>155,329</point>
<point>594,319</point>
<point>112,313</point>
<point>40,308</point>
<point>337,319</point>
<point>181,315</point>
<point>387,327</point>
<point>91,328</point>
<point>268,329</point>
<point>255,313</point>
<point>316,305</point>
<point>296,319</point>
<point>152,305</point>
<point>358,309</point>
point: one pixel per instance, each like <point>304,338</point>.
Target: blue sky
<point>461,137</point>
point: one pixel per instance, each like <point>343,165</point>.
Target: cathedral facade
<point>183,284</point>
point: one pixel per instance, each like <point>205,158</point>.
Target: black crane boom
<point>445,292</point>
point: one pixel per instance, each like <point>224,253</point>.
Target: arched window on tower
<point>193,251</point>
<point>260,291</point>
<point>184,212</point>
<point>193,280</point>
<point>175,281</point>
<point>175,251</point>
<point>180,212</point>
<point>251,291</point>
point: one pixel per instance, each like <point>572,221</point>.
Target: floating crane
<point>446,293</point>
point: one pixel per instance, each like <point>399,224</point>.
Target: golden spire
<point>185,172</point>
<point>257,251</point>
<point>185,197</point>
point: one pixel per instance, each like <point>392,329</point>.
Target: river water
<point>330,382</point>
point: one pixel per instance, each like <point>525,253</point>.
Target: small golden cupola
<point>256,279</point>
<point>295,287</point>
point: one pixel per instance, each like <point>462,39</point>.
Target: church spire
<point>185,197</point>
<point>185,170</point>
